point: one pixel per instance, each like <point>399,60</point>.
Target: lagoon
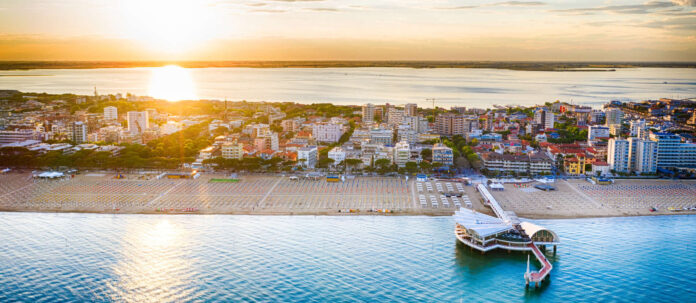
<point>448,86</point>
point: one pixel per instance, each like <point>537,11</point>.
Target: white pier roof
<point>483,225</point>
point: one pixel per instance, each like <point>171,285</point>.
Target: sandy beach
<point>279,195</point>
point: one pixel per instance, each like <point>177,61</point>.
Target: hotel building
<point>337,154</point>
<point>672,152</point>
<point>327,132</point>
<point>307,156</point>
<point>614,116</point>
<point>233,150</point>
<point>402,153</point>
<point>536,163</point>
<point>618,155</point>
<point>442,154</point>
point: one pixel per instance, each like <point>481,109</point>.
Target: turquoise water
<point>149,258</point>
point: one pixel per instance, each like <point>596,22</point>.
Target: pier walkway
<point>530,277</point>
<point>538,276</point>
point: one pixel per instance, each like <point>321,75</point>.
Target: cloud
<point>323,9</point>
<point>457,7</point>
<point>676,23</point>
<point>645,8</point>
<point>677,11</point>
<point>256,4</point>
<point>685,2</point>
<point>520,3</point>
<point>268,10</point>
<point>506,3</point>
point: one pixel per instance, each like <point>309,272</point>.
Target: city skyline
<point>348,30</point>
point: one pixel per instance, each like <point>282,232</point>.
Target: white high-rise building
<point>638,128</point>
<point>411,122</point>
<point>138,122</point>
<point>327,132</point>
<point>111,113</point>
<point>442,154</point>
<point>614,116</point>
<point>368,113</point>
<point>406,134</point>
<point>307,156</point>
<point>402,153</point>
<point>383,136</point>
<point>78,132</point>
<point>643,155</point>
<point>337,154</point>
<point>394,116</point>
<point>618,155</point>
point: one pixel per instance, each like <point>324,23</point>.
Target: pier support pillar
<point>536,284</point>
<point>554,249</point>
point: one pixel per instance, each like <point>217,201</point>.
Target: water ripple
<point>148,258</point>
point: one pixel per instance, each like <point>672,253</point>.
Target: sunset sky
<point>347,30</point>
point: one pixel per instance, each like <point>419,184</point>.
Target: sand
<point>278,195</point>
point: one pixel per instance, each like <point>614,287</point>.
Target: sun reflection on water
<point>171,82</point>
<point>154,266</point>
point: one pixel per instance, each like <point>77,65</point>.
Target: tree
<point>427,154</point>
<point>425,166</point>
<point>324,162</point>
<point>383,166</point>
<point>276,128</point>
<point>411,167</point>
<point>462,162</point>
<point>352,163</point>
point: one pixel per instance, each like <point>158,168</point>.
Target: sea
<point>72,257</point>
<point>481,88</point>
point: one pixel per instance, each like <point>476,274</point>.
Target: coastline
<point>359,196</point>
<point>559,66</point>
<point>334,214</point>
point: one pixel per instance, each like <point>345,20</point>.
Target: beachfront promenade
<point>251,195</point>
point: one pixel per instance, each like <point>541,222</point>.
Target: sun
<point>168,26</point>
<point>172,83</point>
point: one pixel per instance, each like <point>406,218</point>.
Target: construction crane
<point>431,99</point>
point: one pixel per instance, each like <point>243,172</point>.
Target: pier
<point>506,231</point>
<point>537,277</point>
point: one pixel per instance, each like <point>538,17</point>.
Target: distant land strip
<point>511,65</point>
